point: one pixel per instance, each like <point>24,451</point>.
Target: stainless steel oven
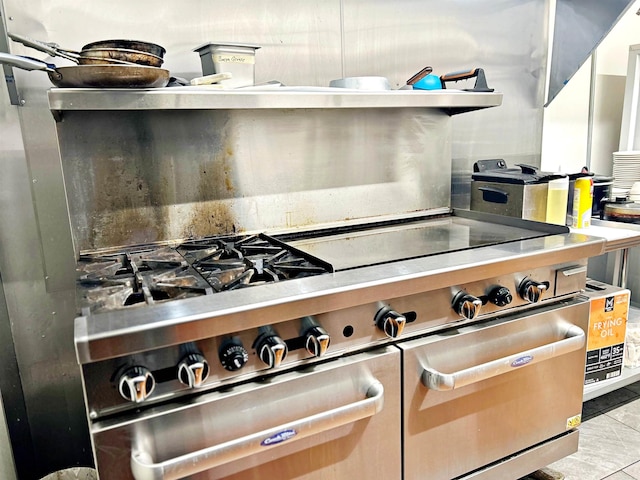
<point>493,391</point>
<point>328,421</point>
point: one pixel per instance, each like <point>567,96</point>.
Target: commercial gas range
<point>272,284</point>
<point>238,356</point>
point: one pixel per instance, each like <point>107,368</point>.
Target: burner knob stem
<point>466,305</point>
<point>232,354</point>
<point>136,384</point>
<point>532,291</point>
<point>271,349</point>
<point>193,370</point>
<point>500,296</point>
<point>390,322</point>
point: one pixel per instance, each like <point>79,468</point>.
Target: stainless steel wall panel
<point>45,413</point>
<point>137,177</point>
<point>507,39</point>
<point>301,43</point>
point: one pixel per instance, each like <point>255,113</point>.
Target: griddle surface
<point>409,240</point>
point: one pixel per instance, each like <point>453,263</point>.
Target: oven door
<point>331,420</point>
<point>475,395</point>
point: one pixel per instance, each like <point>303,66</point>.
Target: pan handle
<point>50,48</point>
<point>26,63</point>
<point>43,47</point>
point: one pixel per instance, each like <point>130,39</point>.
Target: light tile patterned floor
<point>609,439</point>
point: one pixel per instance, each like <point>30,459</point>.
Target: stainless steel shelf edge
<point>629,376</point>
<point>619,235</point>
<point>194,98</point>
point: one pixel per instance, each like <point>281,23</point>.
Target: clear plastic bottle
<point>557,199</point>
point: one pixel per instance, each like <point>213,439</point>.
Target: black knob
<point>317,339</point>
<point>390,322</point>
<point>136,384</point>
<point>466,305</point>
<point>193,370</point>
<point>500,296</point>
<point>232,354</point>
<point>532,291</point>
<point>270,348</point>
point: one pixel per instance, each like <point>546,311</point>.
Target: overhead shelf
<point>198,98</point>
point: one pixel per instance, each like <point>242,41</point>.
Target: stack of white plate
<point>626,171</point>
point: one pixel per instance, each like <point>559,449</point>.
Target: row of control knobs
<point>468,306</point>
<point>136,383</point>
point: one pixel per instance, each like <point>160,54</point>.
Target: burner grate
<point>147,275</point>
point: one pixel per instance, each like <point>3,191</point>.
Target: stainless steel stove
<point>163,323</point>
<point>299,301</point>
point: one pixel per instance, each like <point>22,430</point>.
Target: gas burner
<point>230,263</point>
<point>180,282</point>
<point>97,267</point>
<point>157,259</point>
<point>151,274</point>
<point>134,278</point>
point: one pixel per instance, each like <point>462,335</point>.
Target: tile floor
<point>609,439</point>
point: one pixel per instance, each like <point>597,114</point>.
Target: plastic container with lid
<point>238,59</point>
<point>557,198</point>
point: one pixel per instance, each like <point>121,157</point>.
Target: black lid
<point>574,176</point>
<point>524,175</point>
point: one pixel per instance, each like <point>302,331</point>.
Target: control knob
<point>466,305</point>
<point>532,291</point>
<point>136,384</point>
<point>317,339</point>
<point>193,370</point>
<point>390,322</point>
<point>232,354</point>
<point>271,349</point>
<point>500,296</point>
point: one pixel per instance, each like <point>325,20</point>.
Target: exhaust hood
<point>580,26</point>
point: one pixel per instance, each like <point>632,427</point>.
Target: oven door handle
<point>143,467</point>
<point>574,339</point>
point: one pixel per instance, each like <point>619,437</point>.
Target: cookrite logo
<point>519,362</point>
<point>278,438</point>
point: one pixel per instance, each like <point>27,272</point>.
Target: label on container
<point>234,58</point>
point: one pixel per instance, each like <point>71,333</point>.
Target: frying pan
<point>137,45</point>
<point>93,53</point>
<point>93,76</point>
<point>119,55</point>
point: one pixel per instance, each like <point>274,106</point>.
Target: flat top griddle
<point>381,245</point>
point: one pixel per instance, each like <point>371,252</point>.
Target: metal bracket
<point>12,89</point>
